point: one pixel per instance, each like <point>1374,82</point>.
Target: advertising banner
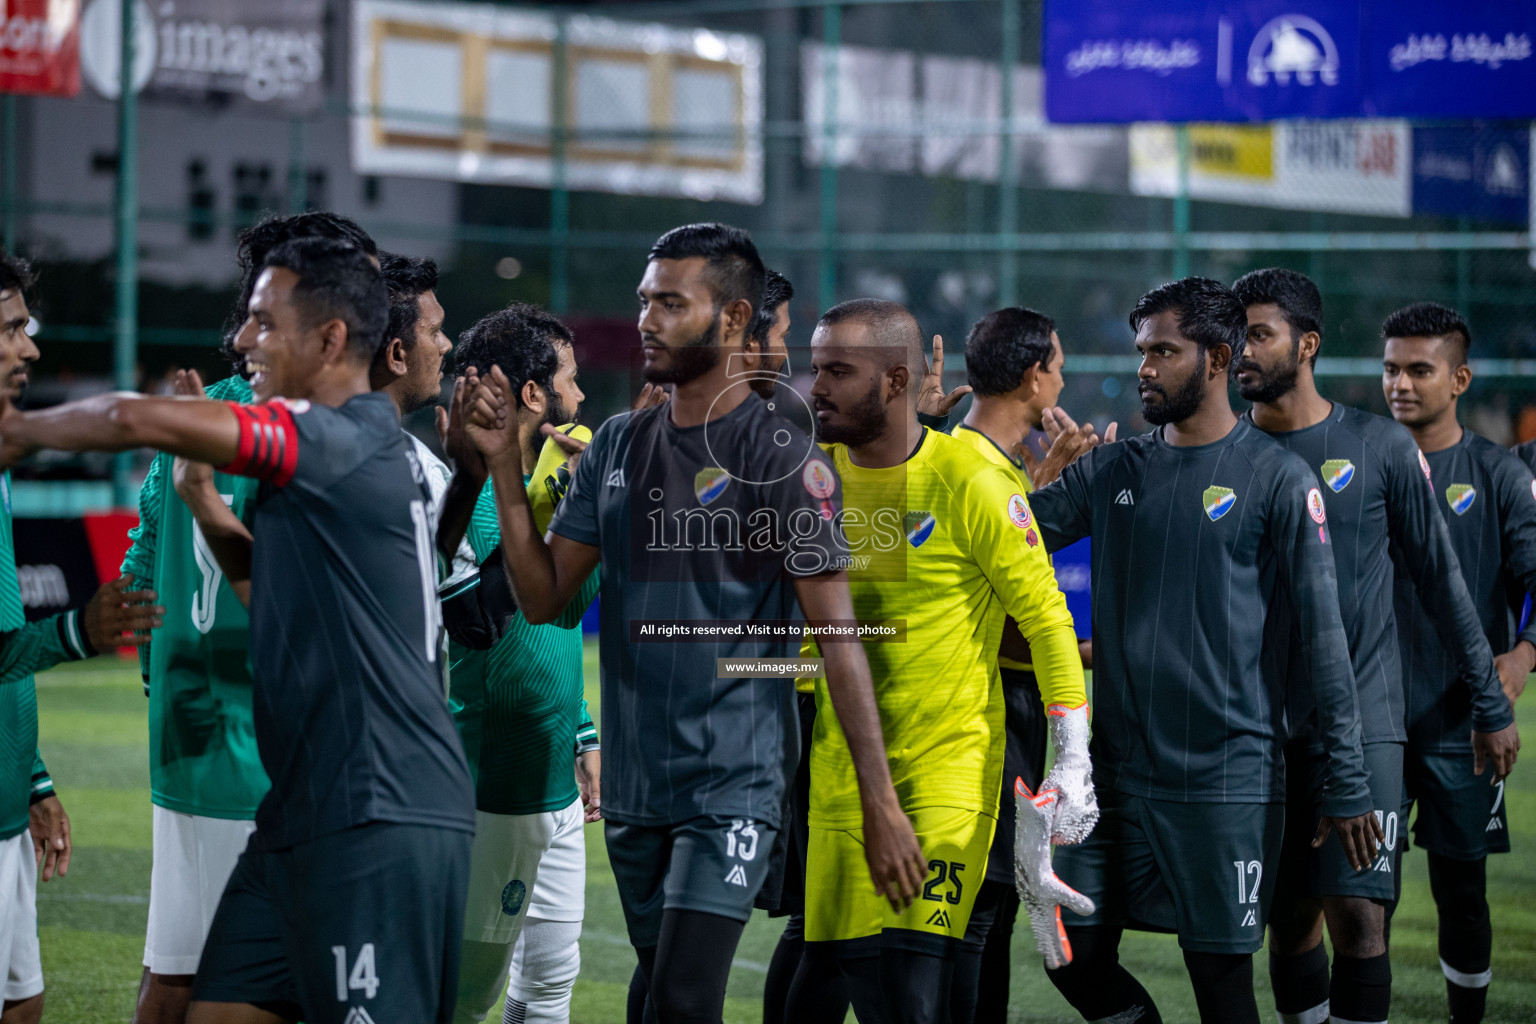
<point>1261,60</point>
<point>1481,172</point>
<point>40,47</point>
<point>1338,166</point>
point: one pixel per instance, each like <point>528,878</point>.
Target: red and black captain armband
<point>269,442</point>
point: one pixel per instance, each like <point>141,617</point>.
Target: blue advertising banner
<point>1200,60</point>
<point>1471,58</point>
<point>1482,172</point>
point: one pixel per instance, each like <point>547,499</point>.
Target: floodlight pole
<point>125,336</point>
<point>826,261</point>
<point>1007,171</point>
<point>1181,206</point>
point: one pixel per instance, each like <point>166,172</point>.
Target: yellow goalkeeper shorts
<point>840,899</point>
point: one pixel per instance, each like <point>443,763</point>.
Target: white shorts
<point>193,858</point>
<point>560,894</point>
<point>505,865</point>
<point>18,918</point>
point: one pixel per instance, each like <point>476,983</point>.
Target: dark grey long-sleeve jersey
<point>1487,500</point>
<point>1380,509</point>
<point>1194,551</point>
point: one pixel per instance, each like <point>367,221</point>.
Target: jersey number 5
<point>205,603</point>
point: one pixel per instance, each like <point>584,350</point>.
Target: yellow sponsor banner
<point>1233,151</point>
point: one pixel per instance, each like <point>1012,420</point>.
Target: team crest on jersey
<point>1337,473</point>
<point>1315,507</point>
<point>818,479</point>
<point>709,483</point>
<point>512,897</point>
<point>1424,465</point>
<point>1018,511</point>
<point>918,527</point>
<point>1460,497</point>
<point>1218,501</point>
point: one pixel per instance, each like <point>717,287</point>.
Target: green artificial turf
<point>94,738</point>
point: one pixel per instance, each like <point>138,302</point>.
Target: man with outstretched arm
<point>697,763</point>
<point>347,905</point>
<point>205,774</point>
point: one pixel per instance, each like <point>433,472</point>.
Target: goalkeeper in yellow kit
<point>944,547</point>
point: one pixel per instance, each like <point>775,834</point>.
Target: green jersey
<point>24,649</point>
<point>202,739</point>
<point>518,706</point>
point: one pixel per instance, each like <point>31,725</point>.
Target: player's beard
<point>867,419</point>
<point>558,414</point>
<point>1273,384</point>
<point>690,360</point>
<point>1177,407</point>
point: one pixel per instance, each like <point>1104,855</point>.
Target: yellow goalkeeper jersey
<point>945,543</point>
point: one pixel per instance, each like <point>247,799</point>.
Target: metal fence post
<point>298,198</point>
<point>125,335</point>
<point>1007,172</point>
<point>826,254</point>
<point>1181,207</point>
<point>559,196</point>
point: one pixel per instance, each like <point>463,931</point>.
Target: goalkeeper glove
<point>1077,809</point>
<point>1041,892</point>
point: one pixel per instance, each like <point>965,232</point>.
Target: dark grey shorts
<point>1203,871</point>
<point>364,922</point>
<point>1326,871</point>
<point>714,865</point>
<point>1460,815</point>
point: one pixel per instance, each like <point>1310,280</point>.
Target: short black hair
<point>733,269</point>
<point>776,291</point>
<point>1431,320</point>
<point>520,339</point>
<point>256,241</point>
<point>1210,313</point>
<point>891,325</point>
<point>1301,304</point>
<point>337,281</point>
<point>1003,345</point>
<point>16,274</point>
<point>408,279</point>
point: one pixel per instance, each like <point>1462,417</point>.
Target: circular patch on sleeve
<point>1018,511</point>
<point>1315,506</point>
<point>1424,465</point>
<point>818,479</point>
<point>512,897</point>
